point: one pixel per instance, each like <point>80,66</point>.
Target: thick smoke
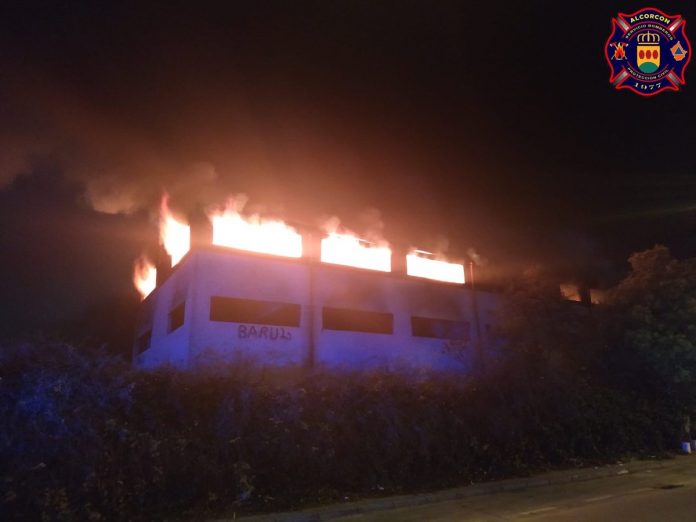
<point>370,226</point>
<point>203,112</point>
<point>285,157</point>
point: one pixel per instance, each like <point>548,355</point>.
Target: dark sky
<point>486,124</point>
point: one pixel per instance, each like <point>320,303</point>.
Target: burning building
<point>241,289</point>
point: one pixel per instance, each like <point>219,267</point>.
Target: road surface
<point>660,495</point>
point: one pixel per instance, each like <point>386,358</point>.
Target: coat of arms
<point>648,51</point>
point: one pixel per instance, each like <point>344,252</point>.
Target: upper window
<point>357,320</point>
<point>440,328</point>
<point>234,310</point>
<point>142,343</point>
<point>176,317</point>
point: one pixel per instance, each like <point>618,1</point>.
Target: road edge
<point>334,511</point>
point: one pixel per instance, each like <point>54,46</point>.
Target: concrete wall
<point>404,297</point>
<point>208,272</point>
<point>166,347</point>
<point>228,274</point>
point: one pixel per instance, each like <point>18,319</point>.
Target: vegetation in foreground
<point>83,436</point>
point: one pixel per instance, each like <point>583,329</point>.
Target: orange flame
<point>175,235</point>
<point>144,276</point>
<point>252,233</point>
<point>348,249</point>
<point>420,264</point>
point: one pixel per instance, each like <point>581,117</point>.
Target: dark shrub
<point>83,436</point>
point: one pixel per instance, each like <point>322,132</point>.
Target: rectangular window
<point>440,328</point>
<point>142,343</point>
<point>233,310</point>
<point>176,317</point>
<point>357,320</point>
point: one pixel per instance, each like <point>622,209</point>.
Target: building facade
<point>220,304</point>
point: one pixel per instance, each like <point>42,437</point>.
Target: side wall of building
<point>160,339</point>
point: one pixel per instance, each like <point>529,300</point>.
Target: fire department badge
<point>648,51</point>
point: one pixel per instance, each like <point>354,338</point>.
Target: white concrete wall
<point>263,278</point>
<point>403,297</point>
<point>167,348</point>
<point>219,272</point>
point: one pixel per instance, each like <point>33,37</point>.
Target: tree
<point>544,331</point>
<point>651,327</point>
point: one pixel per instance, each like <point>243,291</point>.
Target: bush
<point>84,436</point>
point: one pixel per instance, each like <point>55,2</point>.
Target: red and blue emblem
<point>648,51</point>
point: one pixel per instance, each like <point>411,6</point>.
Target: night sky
<point>486,125</point>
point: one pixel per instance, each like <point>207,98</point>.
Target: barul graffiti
<point>272,333</point>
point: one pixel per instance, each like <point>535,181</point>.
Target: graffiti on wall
<point>272,333</point>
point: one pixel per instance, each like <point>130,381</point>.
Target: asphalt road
<point>661,495</point>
